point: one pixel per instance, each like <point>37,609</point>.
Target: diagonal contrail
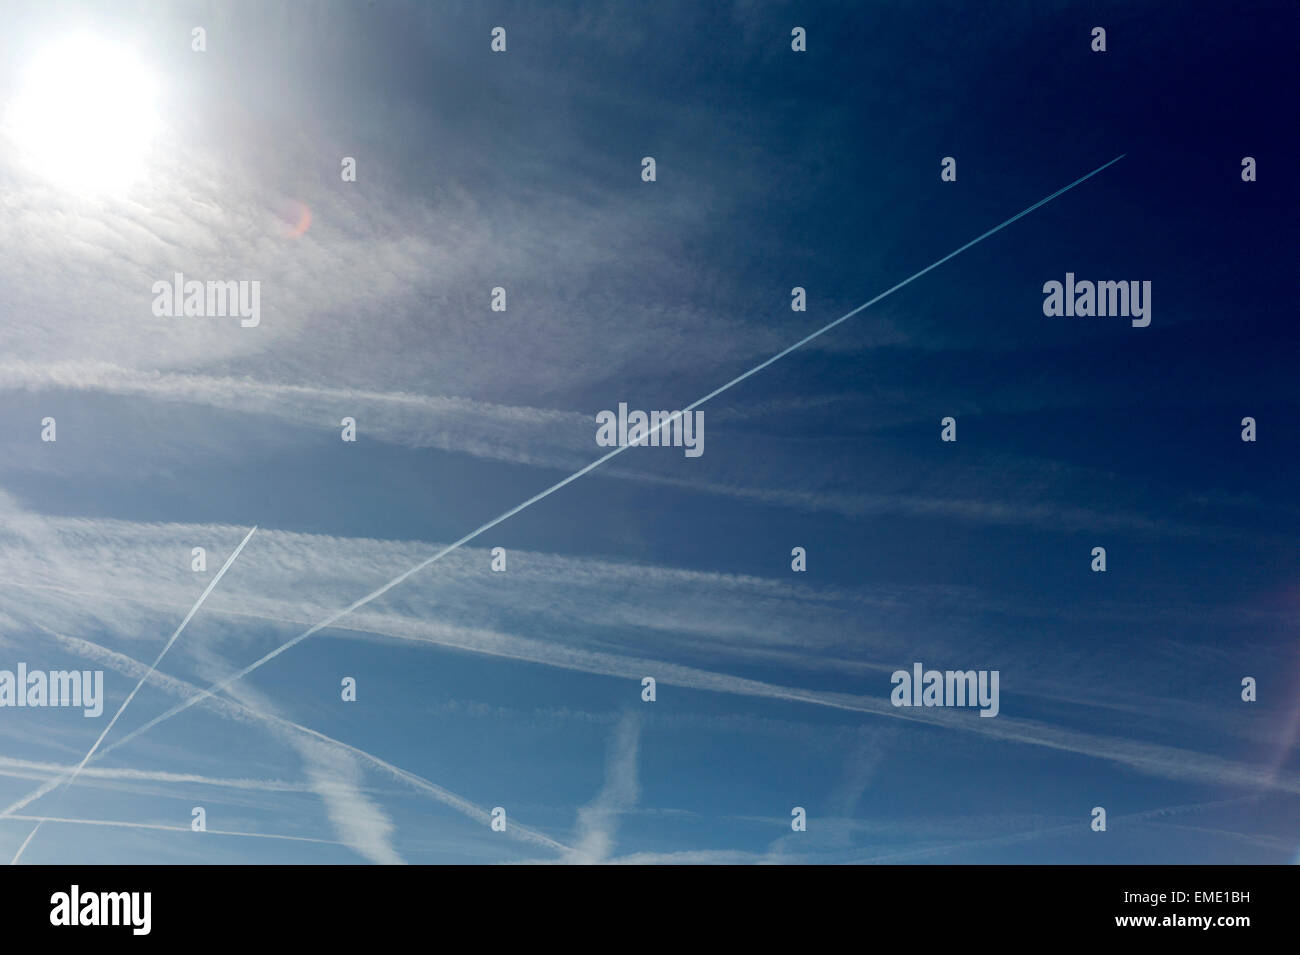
<point>163,828</point>
<point>228,709</point>
<point>212,584</point>
<point>361,602</point>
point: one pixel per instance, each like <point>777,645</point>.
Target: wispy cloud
<point>313,569</point>
<point>332,763</point>
<point>598,820</point>
<point>335,776</point>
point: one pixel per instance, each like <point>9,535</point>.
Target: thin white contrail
<point>218,687</point>
<point>120,662</point>
<point>35,769</point>
<point>212,584</point>
<point>159,826</point>
<point>1068,828</point>
<point>440,793</point>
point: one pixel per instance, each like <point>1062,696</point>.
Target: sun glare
<point>84,115</point>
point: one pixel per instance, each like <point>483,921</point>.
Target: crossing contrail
<point>232,709</point>
<point>380,591</point>
<point>212,585</point>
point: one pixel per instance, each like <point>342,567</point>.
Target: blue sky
<point>522,689</point>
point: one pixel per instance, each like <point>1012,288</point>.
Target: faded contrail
<point>154,825</point>
<point>228,709</point>
<point>1072,827</point>
<point>212,584</point>
<point>34,769</point>
<point>338,615</point>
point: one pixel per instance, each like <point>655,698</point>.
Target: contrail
<point>212,584</point>
<point>361,602</point>
<point>33,769</point>
<point>1072,827</point>
<point>153,825</point>
<point>229,708</point>
<point>847,857</point>
<point>443,795</point>
<point>1167,762</point>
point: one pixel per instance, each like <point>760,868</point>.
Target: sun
<point>84,116</point>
